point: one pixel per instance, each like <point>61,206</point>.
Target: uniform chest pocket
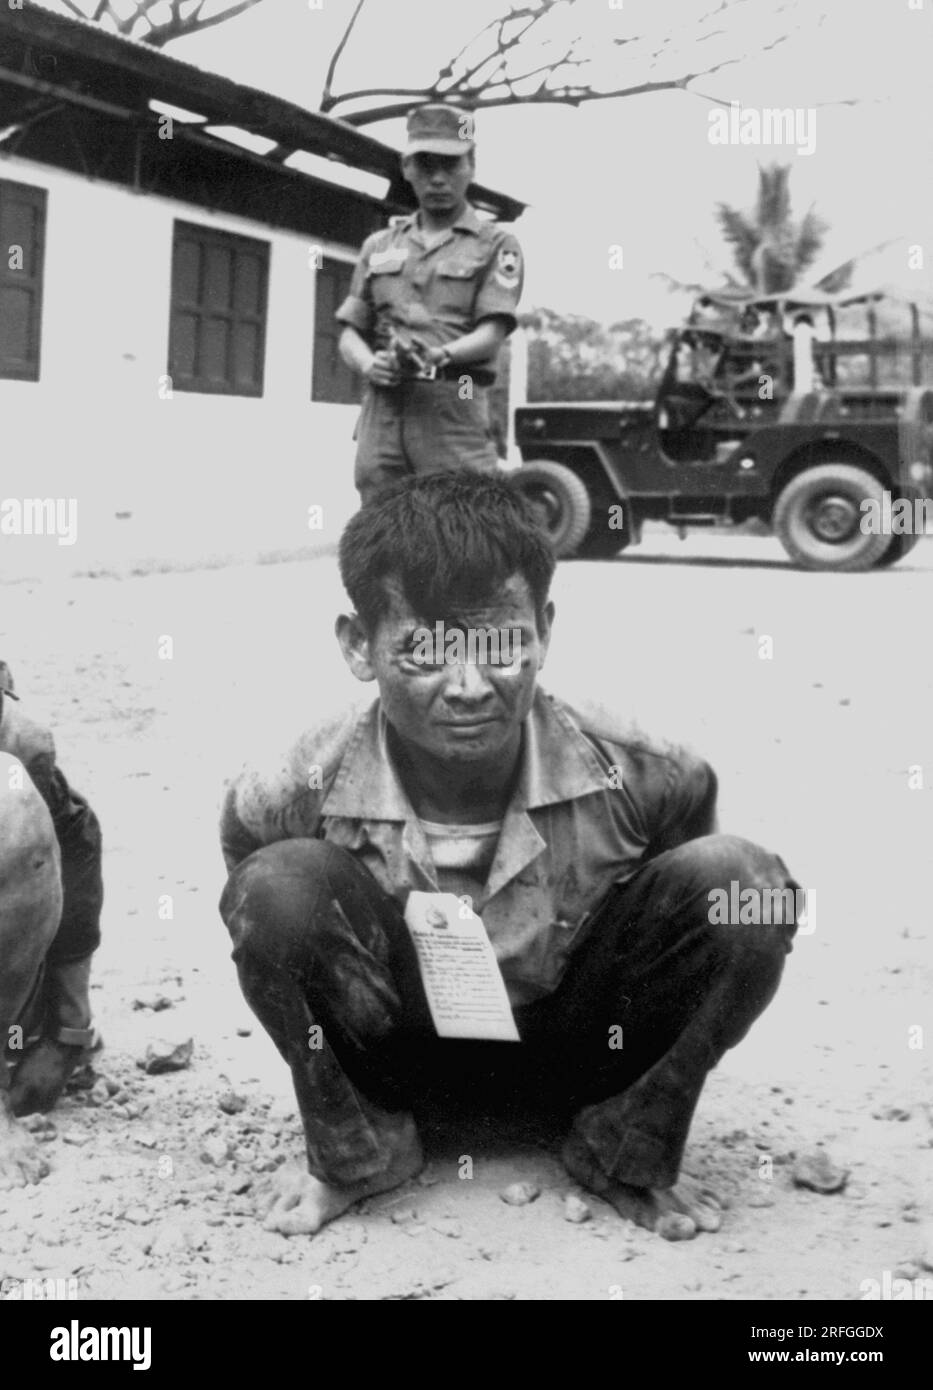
<point>457,282</point>
<point>386,284</point>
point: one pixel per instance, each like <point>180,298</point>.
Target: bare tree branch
<point>488,70</point>
<point>140,24</point>
<point>566,96</point>
<point>75,10</point>
<point>179,27</point>
<point>326,99</point>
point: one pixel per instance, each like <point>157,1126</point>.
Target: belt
<point>480,376</point>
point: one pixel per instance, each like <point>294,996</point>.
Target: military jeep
<point>791,412</point>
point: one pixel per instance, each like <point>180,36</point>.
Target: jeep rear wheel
<point>817,518</point>
<point>559,500</point>
<point>899,547</point>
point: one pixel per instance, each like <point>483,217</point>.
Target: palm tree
<point>772,250</point>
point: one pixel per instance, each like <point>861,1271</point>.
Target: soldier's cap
<point>439,129</point>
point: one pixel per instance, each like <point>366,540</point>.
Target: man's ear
<point>406,168</point>
<point>354,644</point>
<point>544,636</point>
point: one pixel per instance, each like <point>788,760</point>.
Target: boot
<point>68,1039</point>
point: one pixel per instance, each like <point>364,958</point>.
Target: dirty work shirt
<point>439,292</point>
<point>592,803</point>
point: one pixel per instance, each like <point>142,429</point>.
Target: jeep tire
<point>560,500</point>
<point>817,518</point>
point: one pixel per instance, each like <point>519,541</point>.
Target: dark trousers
<point>653,997</point>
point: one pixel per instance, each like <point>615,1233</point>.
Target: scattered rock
<point>138,1215</point>
<point>231,1103</point>
<point>760,1199</point>
<point>215,1151</point>
<point>891,1112</point>
<point>401,1215</point>
<point>448,1226</point>
<point>926,1257</point>
<point>519,1194</point>
<point>907,1270</point>
<point>817,1171</point>
<point>575,1209</point>
<point>75,1138</point>
<point>244,1032</point>
<point>176,1238</point>
<point>164,1055</point>
<point>674,1225</point>
<point>242,1154</point>
<point>99,1093</point>
<point>44,1257</point>
<point>35,1123</point>
<point>240,1185</point>
<point>154,1001</point>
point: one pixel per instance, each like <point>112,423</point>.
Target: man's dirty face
<point>460,690</point>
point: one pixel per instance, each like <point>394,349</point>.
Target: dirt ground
<point>154,1179</point>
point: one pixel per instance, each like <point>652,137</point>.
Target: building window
<point>22,243</point>
<point>331,379</point>
<point>217,337</point>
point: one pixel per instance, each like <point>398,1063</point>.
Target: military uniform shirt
<point>439,291</point>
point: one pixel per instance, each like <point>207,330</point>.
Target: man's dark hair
<point>450,540</point>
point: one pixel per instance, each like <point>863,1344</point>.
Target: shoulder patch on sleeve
<point>508,262</point>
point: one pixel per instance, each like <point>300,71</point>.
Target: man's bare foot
<point>21,1161</point>
<point>297,1204</point>
<point>677,1213</point>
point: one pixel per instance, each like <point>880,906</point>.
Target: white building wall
<point>201,475</point>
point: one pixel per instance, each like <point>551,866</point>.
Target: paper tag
<point>461,976</point>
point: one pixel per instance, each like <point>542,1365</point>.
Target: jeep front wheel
<point>818,516</point>
<point>559,500</point>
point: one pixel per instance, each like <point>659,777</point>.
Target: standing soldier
<point>432,300</point>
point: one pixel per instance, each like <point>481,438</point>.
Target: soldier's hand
<point>383,370</point>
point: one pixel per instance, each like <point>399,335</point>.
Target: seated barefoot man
<point>50,903</point>
<point>588,854</point>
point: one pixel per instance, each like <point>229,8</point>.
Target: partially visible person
<point>432,300</point>
<point>51,894</point>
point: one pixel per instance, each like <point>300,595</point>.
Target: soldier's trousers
<point>421,427</point>
<point>650,1002</point>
